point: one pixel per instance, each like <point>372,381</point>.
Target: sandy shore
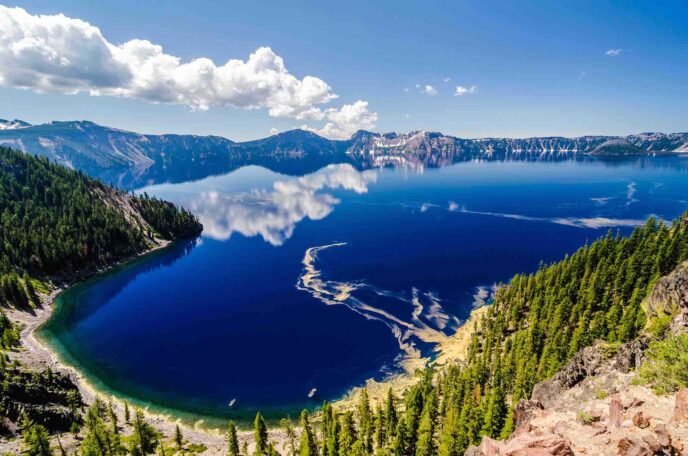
<point>452,349</point>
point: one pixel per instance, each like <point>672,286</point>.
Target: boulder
<point>680,414</point>
<point>670,297</point>
<point>616,411</point>
<point>525,411</point>
<point>641,420</point>
<point>633,446</point>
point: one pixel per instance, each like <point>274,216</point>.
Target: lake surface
<point>324,280</point>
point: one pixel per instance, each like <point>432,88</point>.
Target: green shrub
<point>666,367</point>
<point>657,327</point>
<point>586,417</point>
<point>601,394</point>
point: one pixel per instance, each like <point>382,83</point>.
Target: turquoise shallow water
<point>257,311</point>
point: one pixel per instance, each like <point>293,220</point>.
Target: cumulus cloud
<point>427,89</point>
<point>462,90</point>
<point>613,52</point>
<point>344,122</point>
<point>59,54</point>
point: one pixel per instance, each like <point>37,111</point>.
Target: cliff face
<point>594,406</point>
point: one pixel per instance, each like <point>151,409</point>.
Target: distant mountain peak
<point>13,124</point>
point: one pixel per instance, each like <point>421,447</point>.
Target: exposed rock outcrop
<point>596,360</point>
<point>47,398</point>
<point>670,297</point>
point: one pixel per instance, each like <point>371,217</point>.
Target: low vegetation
<point>666,366</point>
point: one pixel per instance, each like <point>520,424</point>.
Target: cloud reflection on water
<point>273,213</point>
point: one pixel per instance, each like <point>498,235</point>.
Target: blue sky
<point>539,68</point>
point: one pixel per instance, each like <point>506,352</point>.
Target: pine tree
<point>232,440</point>
<point>425,445</point>
<point>260,433</point>
<point>35,437</point>
<point>390,415</point>
<point>347,434</point>
<point>365,422</point>
<point>144,439</point>
<point>179,438</point>
<point>307,445</point>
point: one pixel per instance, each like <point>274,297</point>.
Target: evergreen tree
<point>179,439</point>
<point>390,415</point>
<point>232,440</point>
<point>35,437</point>
<point>260,433</point>
<point>347,434</point>
<point>308,445</point>
<point>144,439</point>
<point>365,424</point>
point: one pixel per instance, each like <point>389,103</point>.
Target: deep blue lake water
<point>256,313</point>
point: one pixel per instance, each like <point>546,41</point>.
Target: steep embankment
<point>57,226</point>
<point>614,400</point>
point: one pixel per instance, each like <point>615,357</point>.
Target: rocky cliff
<point>595,405</point>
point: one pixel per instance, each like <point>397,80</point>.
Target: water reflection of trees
<point>79,301</point>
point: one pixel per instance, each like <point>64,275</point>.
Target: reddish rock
<point>616,411</point>
<point>663,437</point>
<point>680,414</point>
<point>635,403</point>
<point>550,445</point>
<point>633,446</point>
<point>641,420</point>
<point>524,411</point>
<point>488,447</point>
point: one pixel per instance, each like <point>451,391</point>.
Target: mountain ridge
<point>130,159</point>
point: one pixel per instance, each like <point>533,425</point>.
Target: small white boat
<point>231,403</point>
<point>312,392</point>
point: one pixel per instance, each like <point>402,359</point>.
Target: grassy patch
<point>601,394</point>
<point>586,418</point>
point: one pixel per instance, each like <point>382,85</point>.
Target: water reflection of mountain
<point>132,160</point>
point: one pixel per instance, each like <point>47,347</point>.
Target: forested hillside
<point>535,325</point>
<point>56,221</point>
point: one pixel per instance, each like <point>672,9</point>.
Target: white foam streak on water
<point>405,331</point>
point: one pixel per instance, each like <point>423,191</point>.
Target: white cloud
<point>273,131</point>
<point>273,214</point>
<point>58,54</point>
<point>446,80</point>
<point>427,89</point>
<point>613,52</point>
<point>406,89</point>
<point>344,122</point>
<point>462,90</point>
